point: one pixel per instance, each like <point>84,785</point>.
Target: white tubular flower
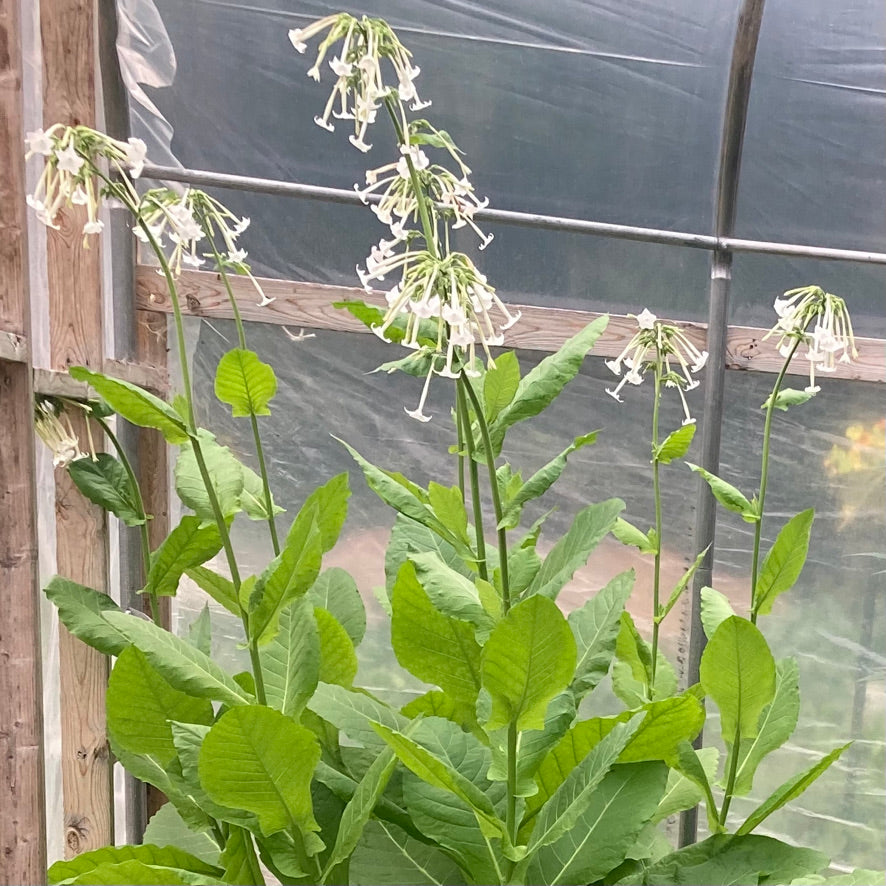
<point>663,347</point>
<point>57,434</point>
<point>815,318</point>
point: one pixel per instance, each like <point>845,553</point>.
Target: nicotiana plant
<point>494,775</point>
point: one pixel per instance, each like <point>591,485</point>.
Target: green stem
<point>730,780</point>
<point>764,474</point>
<point>476,504</point>
<point>140,508</point>
<point>462,443</point>
<point>656,492</point>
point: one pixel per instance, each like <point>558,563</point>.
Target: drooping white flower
<point>136,155</point>
<point>39,142</point>
<point>68,159</point>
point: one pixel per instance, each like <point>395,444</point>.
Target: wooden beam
<point>75,325</point>
<point>309,305</point>
<point>22,791</point>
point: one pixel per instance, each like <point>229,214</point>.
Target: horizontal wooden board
<point>310,306</point>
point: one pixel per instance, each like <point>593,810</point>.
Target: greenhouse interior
<point>443,443</point>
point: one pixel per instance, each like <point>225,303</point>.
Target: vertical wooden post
<point>22,804</point>
<point>75,312</point>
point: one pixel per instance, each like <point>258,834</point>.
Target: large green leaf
<point>784,562</point>
<point>63,872</point>
<point>288,576</point>
<point>135,405</point>
<point>447,503</point>
<point>104,481</point>
<point>595,627</point>
<point>608,828</point>
<point>354,712</point>
<point>245,383</point>
<point>387,856</point>
<point>500,384</point>
<point>140,704</point>
<point>409,537</point>
<point>356,814</point>
<point>291,661</point>
<point>224,472</point>
<point>434,647</point>
<point>675,445</point>
<point>338,661</point>
<point>331,503</point>
<point>737,671</point>
<point>790,790</point>
<point>715,609</point>
<point>124,873</point>
<point>568,803</point>
<point>337,593</point>
<point>168,828</point>
<point>184,667</point>
<point>777,723</point>
<point>727,859</point>
<point>691,764</point>
<point>240,861</point>
<point>858,877</point>
<point>543,384</point>
<point>190,544</point>
<point>542,480</point>
<point>528,659</point>
<point>82,611</point>
<point>731,498</point>
<point>218,587</point>
<point>450,592</point>
<point>684,793</point>
<point>257,759</point>
<point>572,551</point>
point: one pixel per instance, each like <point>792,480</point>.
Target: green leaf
<point>338,661</point>
<point>291,661</point>
<point>360,806</point>
<point>135,405</point>
<point>126,872</point>
<point>104,481</point>
<point>150,856</point>
<point>632,672</point>
<point>784,562</point>
<point>589,528</point>
<point>609,827</point>
<point>337,593</point>
<point>190,544</point>
<point>728,859</point>
<point>500,384</point>
<point>737,671</point>
<point>82,611</point>
<point>387,856</point>
<point>728,496</point>
<point>628,534</point>
<point>541,481</point>
<point>331,503</point>
<point>168,828</point>
<point>218,587</point>
<point>690,763</point>
<point>681,586</point>
<point>184,667</point>
<point>409,537</point>
<point>542,385</point>
<point>684,793</point>
<point>252,496</point>
<point>528,659</point>
<point>788,397</point>
<point>140,704</point>
<point>225,474</point>
<point>858,877</point>
<point>354,712</point>
<point>245,383</point>
<point>523,565</point>
<point>595,627</point>
<point>200,631</point>
<point>777,723</point>
<point>288,576</point>
<point>240,861</point>
<point>437,703</point>
<point>715,609</point>
<point>449,591</point>
<point>434,647</point>
<point>562,811</point>
<point>440,774</point>
<point>790,790</point>
<point>675,445</point>
<point>257,759</point>
<point>449,507</point>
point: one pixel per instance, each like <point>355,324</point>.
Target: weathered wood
<point>22,792</point>
<point>309,305</point>
<point>75,326</point>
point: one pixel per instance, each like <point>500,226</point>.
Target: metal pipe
<point>278,188</point>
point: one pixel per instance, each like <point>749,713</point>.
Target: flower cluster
<point>56,433</point>
<point>77,171</point>
<point>360,85</point>
<point>664,347</point>
<point>818,319</point>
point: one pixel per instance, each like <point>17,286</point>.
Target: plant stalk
<point>656,492</point>
<point>476,504</point>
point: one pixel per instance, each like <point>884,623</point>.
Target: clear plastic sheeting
<point>831,622</point>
